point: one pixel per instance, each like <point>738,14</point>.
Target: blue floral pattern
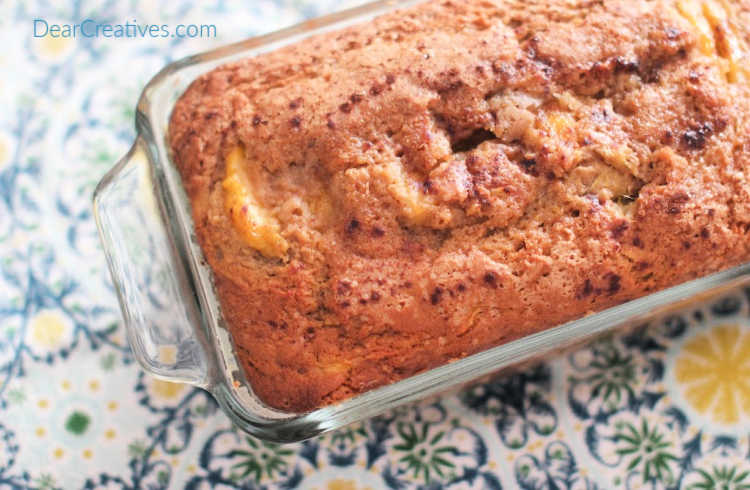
<point>632,410</point>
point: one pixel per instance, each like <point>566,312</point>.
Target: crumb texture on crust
<point>383,199</point>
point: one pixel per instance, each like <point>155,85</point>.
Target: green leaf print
<point>263,458</point>
<point>425,456</point>
<point>722,478</point>
<point>646,451</point>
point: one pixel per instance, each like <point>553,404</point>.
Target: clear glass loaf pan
<point>174,321</point>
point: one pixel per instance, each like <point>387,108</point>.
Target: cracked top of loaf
<point>383,199</point>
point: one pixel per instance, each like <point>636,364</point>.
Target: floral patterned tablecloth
<point>665,406</point>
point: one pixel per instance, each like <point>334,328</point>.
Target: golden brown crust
<point>459,174</point>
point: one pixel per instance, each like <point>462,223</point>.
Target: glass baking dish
<point>173,318</point>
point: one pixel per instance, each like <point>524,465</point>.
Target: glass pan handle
<point>153,286</point>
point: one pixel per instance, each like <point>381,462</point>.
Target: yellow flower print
<point>163,393</point>
<point>166,389</point>
<point>53,49</point>
<point>340,484</point>
<point>713,372</point>
<point>48,329</point>
<point>4,150</point>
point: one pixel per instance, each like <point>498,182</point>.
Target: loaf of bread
<point>390,197</point>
